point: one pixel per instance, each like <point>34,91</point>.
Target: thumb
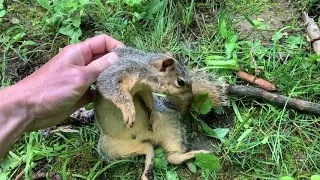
<point>99,65</point>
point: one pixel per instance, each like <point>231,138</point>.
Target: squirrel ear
<point>169,54</point>
<point>164,64</point>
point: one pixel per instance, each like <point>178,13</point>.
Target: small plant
<point>65,17</point>
<point>2,11</point>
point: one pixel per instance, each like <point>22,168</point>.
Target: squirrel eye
<point>180,82</point>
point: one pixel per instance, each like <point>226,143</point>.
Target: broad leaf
<point>276,37</point>
<point>218,133</point>
<point>223,29</point>
<point>286,178</point>
<point>207,161</point>
<point>28,43</point>
<point>315,177</point>
<point>2,13</point>
<point>295,41</point>
<point>160,160</point>
<point>172,175</point>
<point>76,21</point>
<point>208,130</point>
<point>192,166</point>
<point>45,4</point>
<point>206,106</point>
<point>66,30</point>
<point>231,45</point>
<point>18,36</point>
<point>221,132</point>
<point>265,140</point>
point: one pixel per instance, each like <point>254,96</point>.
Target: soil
<point>277,15</point>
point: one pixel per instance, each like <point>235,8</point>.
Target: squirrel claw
<point>129,119</point>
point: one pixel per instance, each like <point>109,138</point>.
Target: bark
<point>279,100</point>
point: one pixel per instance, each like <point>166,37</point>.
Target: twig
<point>280,100</point>
<point>257,81</point>
<point>313,32</point>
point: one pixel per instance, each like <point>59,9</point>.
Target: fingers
<point>103,43</point>
<point>97,66</point>
<point>100,44</point>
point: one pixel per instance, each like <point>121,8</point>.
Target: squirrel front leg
<point>119,92</point>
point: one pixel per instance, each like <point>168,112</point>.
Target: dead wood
<point>313,33</point>
<point>264,84</point>
<point>276,99</point>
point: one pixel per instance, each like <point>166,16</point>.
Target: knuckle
<point>69,47</point>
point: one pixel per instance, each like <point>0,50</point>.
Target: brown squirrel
<point>125,91</point>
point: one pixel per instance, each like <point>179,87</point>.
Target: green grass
<point>264,142</point>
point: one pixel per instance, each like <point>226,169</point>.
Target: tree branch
<point>279,100</point>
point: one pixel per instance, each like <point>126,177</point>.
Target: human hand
<point>62,85</point>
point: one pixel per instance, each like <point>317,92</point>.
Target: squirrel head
<point>173,77</point>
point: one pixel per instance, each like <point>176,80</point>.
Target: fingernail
<point>120,46</point>
<point>112,57</point>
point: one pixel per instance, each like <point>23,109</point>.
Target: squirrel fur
<point>132,119</point>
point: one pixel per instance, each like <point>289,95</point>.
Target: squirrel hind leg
<point>179,157</point>
<point>113,148</point>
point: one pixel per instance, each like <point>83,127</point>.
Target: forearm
<point>14,116</point>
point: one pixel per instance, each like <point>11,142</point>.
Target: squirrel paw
<point>129,118</point>
<point>201,151</point>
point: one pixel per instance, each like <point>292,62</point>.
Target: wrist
<point>15,116</point>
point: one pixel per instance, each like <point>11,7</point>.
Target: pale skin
<point>56,90</point>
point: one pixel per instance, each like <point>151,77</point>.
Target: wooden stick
<point>255,80</point>
<point>280,100</point>
<point>313,32</point>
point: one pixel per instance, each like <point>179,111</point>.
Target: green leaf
<point>214,57</point>
<point>295,41</point>
<point>197,100</point>
<point>133,2</point>
<point>244,135</point>
<point>18,37</point>
<point>89,106</point>
<point>221,132</point>
<point>236,111</point>
<point>208,131</point>
<point>2,13</point>
<point>207,161</point>
<point>276,37</point>
<point>172,175</point>
<point>4,175</point>
<point>75,36</point>
<point>84,2</point>
<point>206,106</point>
<point>66,30</point>
<point>228,64</point>
<point>249,21</point>
<point>64,170</point>
<point>223,29</point>
<point>218,110</point>
<point>160,160</point>
<point>28,43</point>
<point>265,140</point>
<point>286,178</point>
<point>192,166</point>
<point>218,133</point>
<point>76,21</point>
<point>45,4</point>
<point>231,45</point>
<point>315,177</point>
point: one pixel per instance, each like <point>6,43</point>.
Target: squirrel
<point>126,93</point>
